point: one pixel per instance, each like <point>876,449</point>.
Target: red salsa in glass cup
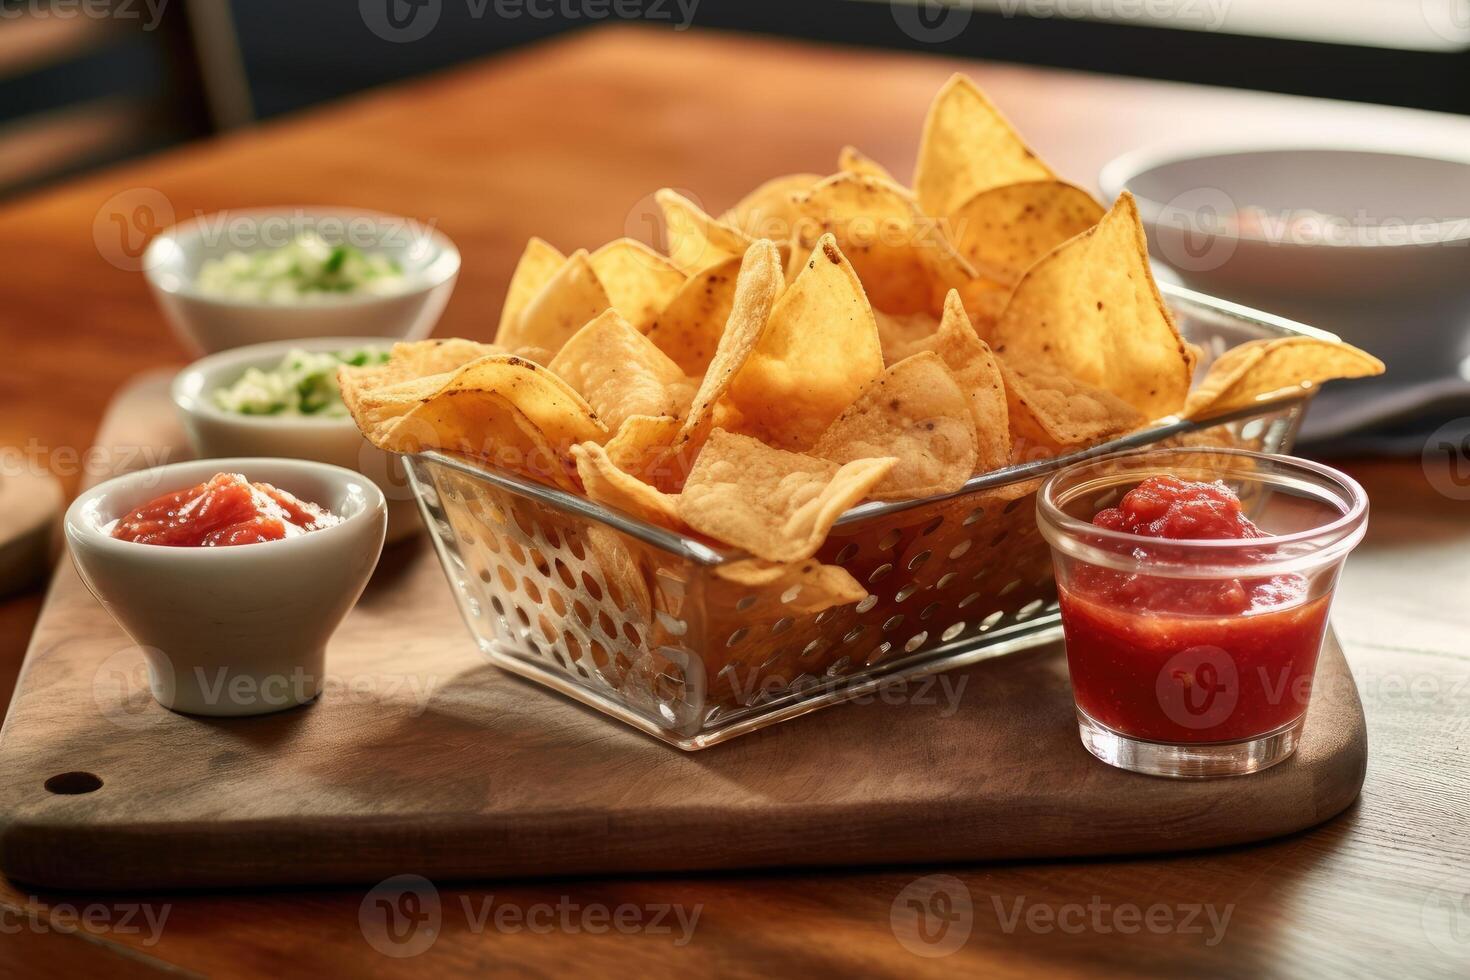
<point>1194,587</point>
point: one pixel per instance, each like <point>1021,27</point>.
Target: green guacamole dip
<point>304,269</point>
<point>304,383</point>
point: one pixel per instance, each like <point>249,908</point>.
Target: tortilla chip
<point>621,373</point>
<point>408,360</point>
<point>605,483</point>
<point>693,239</point>
<point>1006,230</point>
<point>851,160</point>
<point>539,355</point>
<point>1090,310</point>
<point>756,288</point>
<point>401,419</point>
<point>916,412</point>
<point>537,265</point>
<point>566,304</point>
<point>1059,413</point>
<point>985,301</point>
<point>904,334</point>
<point>791,589</point>
<point>688,330</point>
<point>638,281</point>
<point>774,504</point>
<point>623,575</point>
<point>478,409</point>
<point>902,257</point>
<point>769,211</point>
<point>1260,369</point>
<point>974,367</point>
<point>967,147</point>
<point>819,349</point>
<point>639,441</point>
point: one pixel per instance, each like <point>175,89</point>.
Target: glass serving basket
<point>628,618</point>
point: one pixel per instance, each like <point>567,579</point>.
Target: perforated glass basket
<point>628,618</point>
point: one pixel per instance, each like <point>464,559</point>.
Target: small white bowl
<point>238,630</point>
<point>214,432</point>
<point>1392,270</point>
<point>206,323</point>
<point>1408,214</point>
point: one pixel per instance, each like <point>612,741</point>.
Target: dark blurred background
<point>84,82</point>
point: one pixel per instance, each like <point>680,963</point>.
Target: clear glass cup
<point>1195,658</point>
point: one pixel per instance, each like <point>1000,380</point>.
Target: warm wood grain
<point>30,504</point>
<point>611,115</point>
<point>422,755</point>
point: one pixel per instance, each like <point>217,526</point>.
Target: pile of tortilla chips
<point>827,340</point>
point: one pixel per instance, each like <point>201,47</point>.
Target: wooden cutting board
<point>422,757</point>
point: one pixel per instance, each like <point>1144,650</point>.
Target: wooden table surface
<point>568,140</point>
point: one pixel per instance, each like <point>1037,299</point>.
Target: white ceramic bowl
<point>236,630</point>
<point>1392,270</point>
<point>205,324</point>
<point>214,432</point>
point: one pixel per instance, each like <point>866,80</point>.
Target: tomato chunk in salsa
<point>226,510</point>
<point>1174,659</point>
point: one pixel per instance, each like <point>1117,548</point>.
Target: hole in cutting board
<point>73,783</point>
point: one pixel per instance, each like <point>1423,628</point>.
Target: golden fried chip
<point>774,504</point>
<point>975,370</point>
<point>538,263</point>
<point>400,419</point>
<point>477,409</point>
<point>790,589</point>
<point>967,147</point>
<point>916,412</point>
<point>605,483</point>
<point>902,257</point>
<point>818,350</point>
<point>770,211</point>
<point>984,301</point>
<point>689,328</point>
<point>552,405</point>
<point>566,304</point>
<point>1006,230</point>
<point>904,334</point>
<point>640,440</point>
<point>418,358</point>
<point>1057,413</point>
<point>1090,310</point>
<point>621,373</point>
<point>638,281</point>
<point>408,360</point>
<point>756,288</point>
<point>695,240</point>
<point>539,355</point>
<point>1260,369</point>
<point>851,160</point>
<point>621,572</point>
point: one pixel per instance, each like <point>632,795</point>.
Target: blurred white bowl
<point>207,323</point>
<point>1364,242</point>
<point>214,432</point>
<point>236,630</point>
